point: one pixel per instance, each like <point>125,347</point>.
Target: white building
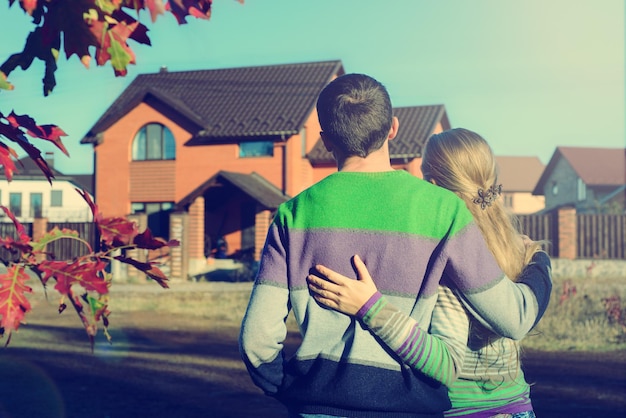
<point>29,195</point>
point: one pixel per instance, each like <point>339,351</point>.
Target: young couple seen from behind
<point>454,283</point>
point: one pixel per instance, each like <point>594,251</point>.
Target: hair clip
<point>485,199</point>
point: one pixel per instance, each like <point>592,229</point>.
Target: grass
<point>223,304</point>
<point>584,314</point>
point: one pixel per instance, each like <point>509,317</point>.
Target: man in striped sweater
<point>408,232</point>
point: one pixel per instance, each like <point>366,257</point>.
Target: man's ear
<point>395,123</point>
<point>327,143</point>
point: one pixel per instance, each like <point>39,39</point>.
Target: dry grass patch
<point>584,315</point>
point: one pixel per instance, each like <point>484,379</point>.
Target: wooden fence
<point>67,249</point>
<point>8,230</point>
<point>596,236</point>
<point>591,236</point>
<point>63,249</point>
<point>601,236</point>
<point>542,227</point>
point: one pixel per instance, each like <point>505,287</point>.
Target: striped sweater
<point>408,232</point>
<point>482,370</point>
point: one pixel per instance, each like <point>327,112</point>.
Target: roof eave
<point>276,136</point>
<point>94,136</point>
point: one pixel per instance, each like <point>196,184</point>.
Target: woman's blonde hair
<point>462,161</point>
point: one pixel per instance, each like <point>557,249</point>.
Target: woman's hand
<point>526,240</point>
<point>339,292</point>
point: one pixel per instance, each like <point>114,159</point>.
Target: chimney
<point>50,159</point>
<point>163,69</point>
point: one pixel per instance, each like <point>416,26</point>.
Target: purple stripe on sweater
<point>400,264</point>
<point>411,341</point>
<point>471,266</point>
<point>397,262</point>
<point>367,305</point>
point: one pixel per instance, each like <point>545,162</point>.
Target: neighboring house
<point>226,147</point>
<point>592,180</point>
<point>518,176</point>
<point>30,195</point>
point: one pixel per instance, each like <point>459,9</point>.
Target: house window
<point>15,203</point>
<point>555,188</point>
<point>256,149</point>
<point>36,205</point>
<point>582,190</point>
<point>56,198</point>
<point>154,142</point>
<point>158,216</point>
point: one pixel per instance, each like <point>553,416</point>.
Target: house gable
<point>595,166</point>
<point>582,177</point>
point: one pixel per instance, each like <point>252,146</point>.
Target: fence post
<point>133,275</point>
<point>178,259</point>
<point>567,232</point>
<point>40,227</point>
<point>194,234</point>
<point>262,225</point>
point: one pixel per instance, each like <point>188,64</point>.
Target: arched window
<point>154,142</point>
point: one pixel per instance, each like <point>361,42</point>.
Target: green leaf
<point>53,235</point>
<point>120,58</point>
<point>4,84</point>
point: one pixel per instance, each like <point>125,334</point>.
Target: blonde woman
<point>481,369</point>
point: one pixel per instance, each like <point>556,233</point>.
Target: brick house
<point>590,180</point>
<point>518,176</point>
<point>223,148</point>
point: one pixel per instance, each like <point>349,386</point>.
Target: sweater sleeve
<point>511,309</point>
<point>538,276</point>
<point>263,329</point>
<point>508,308</point>
<point>438,354</point>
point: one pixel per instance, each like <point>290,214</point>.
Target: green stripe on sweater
<point>341,204</point>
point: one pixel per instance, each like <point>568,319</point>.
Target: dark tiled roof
<point>254,185</point>
<point>417,124</point>
<point>25,168</point>
<point>84,181</point>
<point>595,166</point>
<point>223,104</point>
<point>519,174</point>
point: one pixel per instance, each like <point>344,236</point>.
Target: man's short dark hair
<point>355,114</point>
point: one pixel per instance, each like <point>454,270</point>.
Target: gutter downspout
<point>283,146</point>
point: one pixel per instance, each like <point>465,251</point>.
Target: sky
<point>528,76</point>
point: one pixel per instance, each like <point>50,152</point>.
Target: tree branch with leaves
<point>97,30</point>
